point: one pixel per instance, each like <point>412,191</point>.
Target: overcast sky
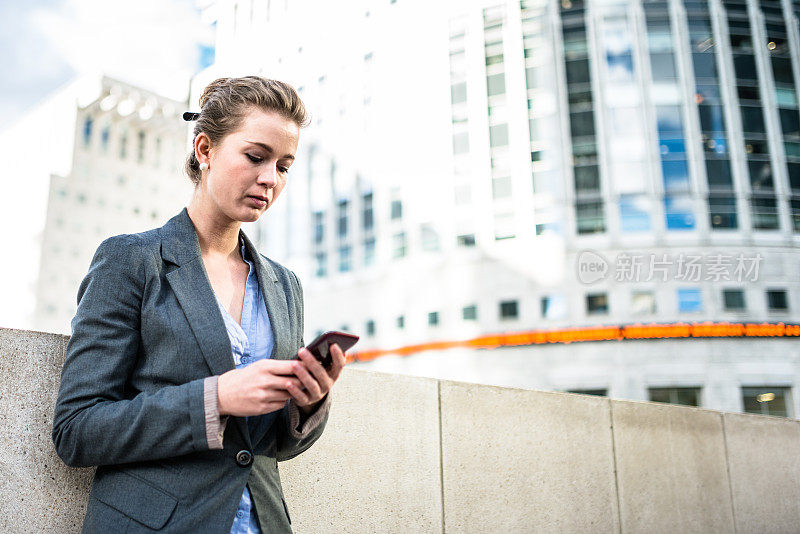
<point>155,44</point>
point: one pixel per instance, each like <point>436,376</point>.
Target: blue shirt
<point>250,342</point>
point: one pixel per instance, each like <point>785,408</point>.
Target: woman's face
<point>252,161</point>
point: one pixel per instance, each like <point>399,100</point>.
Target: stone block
<point>671,469</point>
<point>376,466</point>
<point>763,457</point>
<point>526,461</point>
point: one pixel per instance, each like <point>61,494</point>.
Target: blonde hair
<point>226,101</point>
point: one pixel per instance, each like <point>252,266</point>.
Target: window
<point>766,400</point>
<point>140,146</point>
<point>509,309</point>
<point>322,265</point>
<point>157,155</point>
<point>396,206</point>
<point>458,92</point>
<point>367,214</point>
<point>582,123</point>
<point>689,300</point>
<point>643,303</point>
<point>733,299</point>
<point>466,240</point>
<point>430,239</point>
<point>752,119</point>
<point>722,211</point>
<point>663,65</point>
<point>319,225</point>
<point>634,213</point>
<point>669,121</point>
<point>777,300</point>
<point>764,213</point>
<point>675,174</point>
<point>105,133</point>
<point>577,71</point>
<point>460,143</point>
<point>123,144</point>
<point>344,258</point>
<point>469,313</point>
<point>400,321</point>
<point>501,187</point>
<point>496,84</point>
<point>87,130</point>
<point>794,206</point>
<point>760,175</point>
<point>369,251</point>
<point>596,304</point>
<point>678,212</point>
<point>433,318</point>
<point>587,178</point>
<point>718,172</point>
<point>498,135</point>
<point>342,218</point>
<point>684,396</point>
<point>370,327</point>
<point>596,392</point>
<point>554,306</point>
<point>399,242</point>
<point>790,121</point>
<point>590,217</point>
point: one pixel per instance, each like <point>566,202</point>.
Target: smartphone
<point>320,346</point>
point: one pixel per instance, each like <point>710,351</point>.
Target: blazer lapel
<point>275,302</point>
<point>189,281</point>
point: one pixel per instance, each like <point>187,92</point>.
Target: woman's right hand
<point>257,389</point>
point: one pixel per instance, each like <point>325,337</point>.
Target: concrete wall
<point>406,454</point>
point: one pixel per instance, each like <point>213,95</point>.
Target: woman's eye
<point>283,169</point>
<point>254,159</point>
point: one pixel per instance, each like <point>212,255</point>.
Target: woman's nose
<point>268,176</point>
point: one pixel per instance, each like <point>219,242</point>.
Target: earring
<point>204,166</point>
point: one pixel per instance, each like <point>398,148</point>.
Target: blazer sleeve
<point>297,432</point>
<point>97,419</point>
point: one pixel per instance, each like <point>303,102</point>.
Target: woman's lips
<point>258,202</point>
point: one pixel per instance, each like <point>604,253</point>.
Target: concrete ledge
<point>526,461</point>
<point>764,463</point>
<point>407,454</point>
<point>38,493</point>
<point>671,470</point>
<point>376,466</point>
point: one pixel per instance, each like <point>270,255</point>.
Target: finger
<point>315,368</point>
<point>276,367</point>
<point>280,382</point>
<point>300,397</point>
<point>314,389</point>
<point>338,361</point>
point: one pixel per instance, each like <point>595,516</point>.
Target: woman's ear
<point>202,148</point>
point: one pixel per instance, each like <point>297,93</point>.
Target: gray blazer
<point>146,334</point>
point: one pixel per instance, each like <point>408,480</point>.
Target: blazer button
<point>244,458</point>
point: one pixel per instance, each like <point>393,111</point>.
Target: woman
<point>183,381</point>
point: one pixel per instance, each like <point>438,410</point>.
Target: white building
<point>126,176</point>
<point>481,167</point>
<point>32,148</point>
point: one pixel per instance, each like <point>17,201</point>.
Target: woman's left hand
<point>315,378</point>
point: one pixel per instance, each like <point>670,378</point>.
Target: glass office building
<point>487,167</point>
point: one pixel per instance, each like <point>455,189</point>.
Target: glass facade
<point>662,121</point>
<point>589,206</point>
